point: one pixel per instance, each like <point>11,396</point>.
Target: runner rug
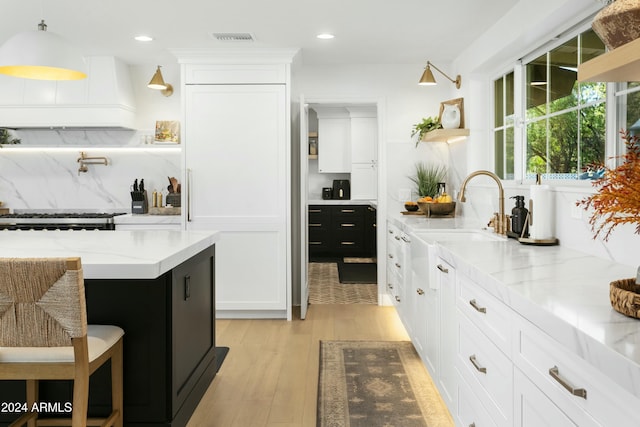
<point>373,384</point>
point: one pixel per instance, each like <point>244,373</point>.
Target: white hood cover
<point>104,99</point>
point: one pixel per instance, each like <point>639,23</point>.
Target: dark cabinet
<point>341,230</point>
<point>169,344</point>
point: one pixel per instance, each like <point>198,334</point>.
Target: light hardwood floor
<point>270,376</point>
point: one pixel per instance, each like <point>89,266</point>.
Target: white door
<point>237,158</point>
<point>304,202</point>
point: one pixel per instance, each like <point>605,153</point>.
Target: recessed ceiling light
<point>325,36</point>
<point>143,38</point>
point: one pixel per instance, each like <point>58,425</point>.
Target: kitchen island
<point>159,287</point>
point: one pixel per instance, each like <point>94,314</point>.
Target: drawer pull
<point>347,210</point>
<point>347,225</point>
<point>397,265</point>
<point>405,239</point>
<point>389,285</point>
<point>347,243</point>
<point>315,210</point>
<point>442,268</point>
<point>396,237</point>
<point>555,374</point>
<point>397,298</point>
<point>390,256</point>
<point>420,291</point>
<point>475,364</point>
<point>475,305</point>
<point>390,231</point>
<point>315,243</point>
<point>315,225</point>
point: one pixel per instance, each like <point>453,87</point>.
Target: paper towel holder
<point>538,242</point>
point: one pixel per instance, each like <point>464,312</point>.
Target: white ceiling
<point>367,31</point>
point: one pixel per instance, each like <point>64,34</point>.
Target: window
<point>564,121</point>
<point>504,126</point>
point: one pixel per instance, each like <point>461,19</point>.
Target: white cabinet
<point>398,271</point>
<point>364,153</point>
<point>447,378</point>
<point>334,140</point>
<point>237,162</point>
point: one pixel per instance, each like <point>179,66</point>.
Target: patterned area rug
<point>374,384</point>
<point>325,287</point>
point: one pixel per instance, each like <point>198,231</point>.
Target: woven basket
<point>625,297</point>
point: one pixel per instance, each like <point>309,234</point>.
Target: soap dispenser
<point>519,213</point>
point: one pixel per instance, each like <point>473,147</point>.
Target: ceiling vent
<point>234,37</point>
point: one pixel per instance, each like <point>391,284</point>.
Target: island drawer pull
<point>397,298</point>
<point>396,237</point>
<point>347,210</point>
<point>475,305</point>
<point>398,265</point>
<point>390,256</point>
<point>187,287</point>
<point>555,374</point>
<point>442,268</point>
<point>476,365</point>
<point>347,243</point>
<point>347,225</point>
<point>420,291</point>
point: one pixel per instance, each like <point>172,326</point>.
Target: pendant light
<point>158,83</point>
<point>427,78</point>
<point>41,55</point>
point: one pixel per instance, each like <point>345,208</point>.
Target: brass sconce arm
<point>427,78</point>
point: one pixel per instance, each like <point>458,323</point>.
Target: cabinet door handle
<point>347,225</point>
<point>189,185</point>
<point>315,243</point>
<point>442,268</point>
<point>347,243</point>
<point>315,225</point>
<point>476,365</point>
<point>347,210</point>
<point>420,291</point>
<point>475,305</point>
<point>187,287</point>
<point>555,374</point>
<point>315,210</point>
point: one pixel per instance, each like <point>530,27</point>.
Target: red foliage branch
<point>618,198</point>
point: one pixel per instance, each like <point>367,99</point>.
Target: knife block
<point>139,203</point>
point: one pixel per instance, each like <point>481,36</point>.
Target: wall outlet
<point>576,211</point>
<point>404,194</point>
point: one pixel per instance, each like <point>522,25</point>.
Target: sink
<point>456,235</point>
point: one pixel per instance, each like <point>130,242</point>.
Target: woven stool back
<point>42,302</point>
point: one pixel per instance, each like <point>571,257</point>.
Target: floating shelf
<point>445,135</point>
<point>618,65</point>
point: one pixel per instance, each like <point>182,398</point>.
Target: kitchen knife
<point>142,185</point>
<point>135,185</point>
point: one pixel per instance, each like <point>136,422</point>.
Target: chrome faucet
<point>499,220</point>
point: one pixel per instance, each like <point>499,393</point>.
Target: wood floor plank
<point>270,376</point>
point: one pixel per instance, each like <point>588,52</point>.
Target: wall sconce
<point>427,78</point>
<point>158,83</point>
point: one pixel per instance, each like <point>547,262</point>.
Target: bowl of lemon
<point>437,206</point>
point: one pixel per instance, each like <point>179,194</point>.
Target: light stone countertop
<point>140,254</point>
<point>562,291</point>
<point>147,219</point>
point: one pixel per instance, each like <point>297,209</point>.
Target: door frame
<point>381,204</point>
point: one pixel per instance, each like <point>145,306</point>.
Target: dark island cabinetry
<point>342,231</point>
<point>169,344</point>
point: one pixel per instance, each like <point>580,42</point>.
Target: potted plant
<point>426,125</point>
<point>426,178</point>
<point>7,138</point>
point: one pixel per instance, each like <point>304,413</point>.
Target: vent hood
<point>103,100</point>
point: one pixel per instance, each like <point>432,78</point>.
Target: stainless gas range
<point>58,221</point>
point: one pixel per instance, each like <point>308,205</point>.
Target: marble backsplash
<point>42,172</point>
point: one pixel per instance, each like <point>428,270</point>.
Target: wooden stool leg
<point>32,397</point>
<point>117,383</point>
<point>80,383</point>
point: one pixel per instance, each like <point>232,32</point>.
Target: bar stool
<point>44,335</point>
